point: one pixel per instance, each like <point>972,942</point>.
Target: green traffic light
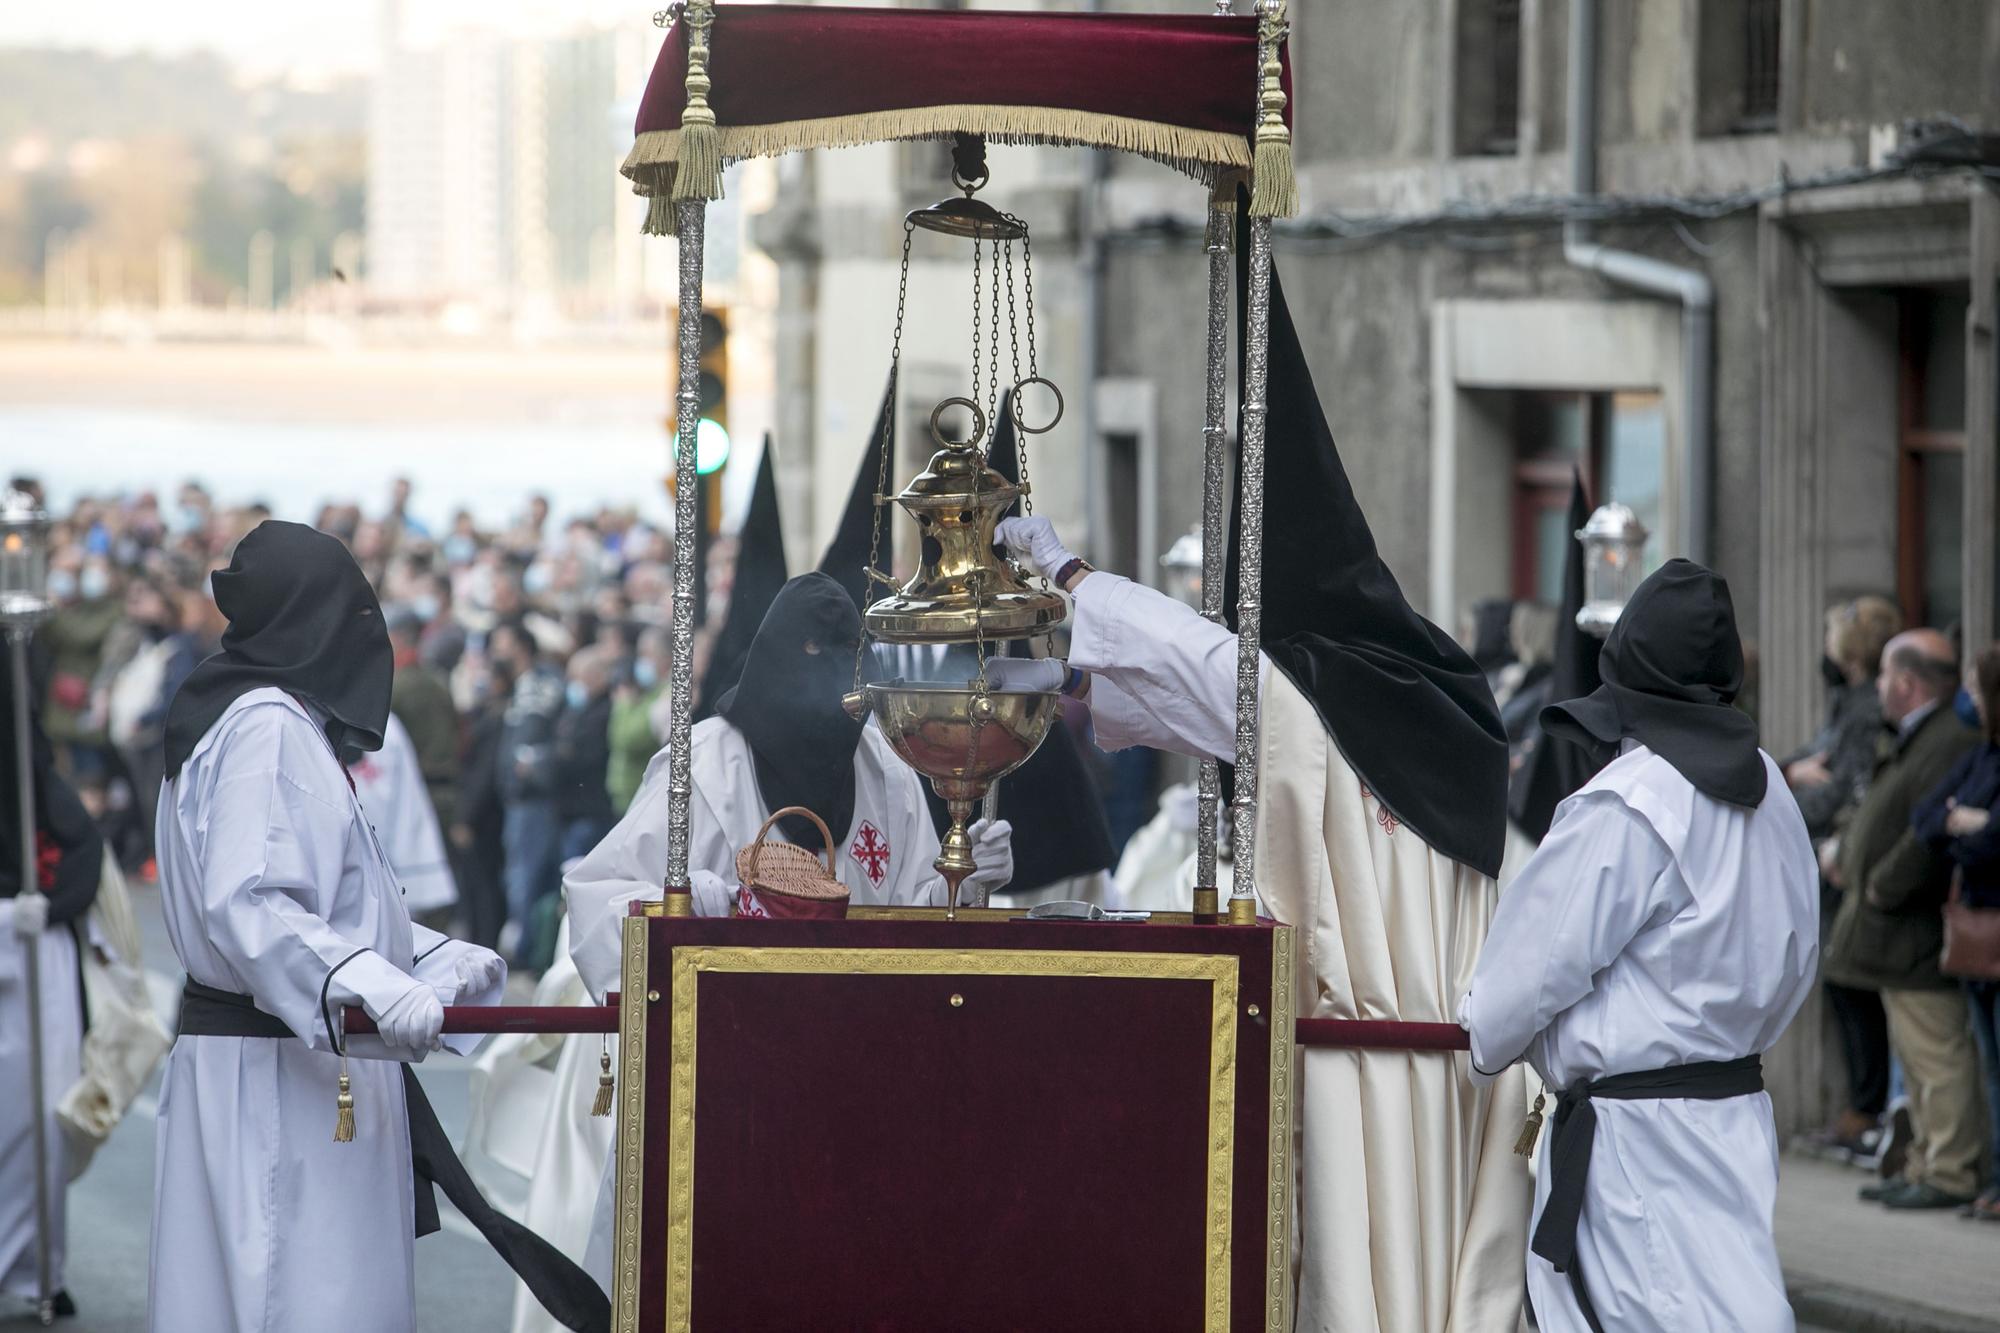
<point>711,445</point>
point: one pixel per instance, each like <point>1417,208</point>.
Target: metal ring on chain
<point>978,431</point>
<point>1054,421</point>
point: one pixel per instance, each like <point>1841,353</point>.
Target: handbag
<point>788,883</point>
<point>1971,937</point>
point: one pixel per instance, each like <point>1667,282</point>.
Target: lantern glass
<point>1180,569</point>
<point>24,561</point>
<point>1614,545</point>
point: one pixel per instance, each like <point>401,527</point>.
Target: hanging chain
<point>1014,341</point>
<point>977,363</point>
<point>874,573</point>
<point>992,358</point>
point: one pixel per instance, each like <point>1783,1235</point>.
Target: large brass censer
<point>963,739</point>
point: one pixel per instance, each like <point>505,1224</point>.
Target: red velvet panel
<point>870,1156</point>
<point>773,64</point>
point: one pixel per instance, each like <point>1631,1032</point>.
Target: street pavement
<point>462,1286</point>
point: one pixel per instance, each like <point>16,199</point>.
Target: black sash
<point>1574,1129</point>
<point>569,1294</point>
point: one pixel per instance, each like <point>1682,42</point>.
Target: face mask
<point>1968,712</point>
<point>62,585</point>
<point>193,518</point>
<point>95,583</point>
<point>536,581</point>
<point>459,549</point>
<point>425,607</point>
<point>577,695</point>
<point>1830,671</point>
<point>645,673</point>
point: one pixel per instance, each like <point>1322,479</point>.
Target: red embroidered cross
<point>871,850</point>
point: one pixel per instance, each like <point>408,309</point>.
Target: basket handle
<point>825,837</point>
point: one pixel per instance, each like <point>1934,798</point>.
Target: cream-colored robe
<point>1412,1207</point>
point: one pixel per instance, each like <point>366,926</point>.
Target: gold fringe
<point>1197,153</point>
<point>660,212</point>
<point>602,1105</point>
<point>1274,185</point>
<point>343,1120</point>
<point>1532,1130</point>
<point>1274,189</point>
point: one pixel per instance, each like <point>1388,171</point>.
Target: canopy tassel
<point>1274,185</point>
<point>1532,1129</point>
<point>698,173</point>
<point>343,1120</point>
<point>602,1105</point>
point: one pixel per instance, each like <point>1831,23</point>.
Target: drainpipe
<point>1690,286</point>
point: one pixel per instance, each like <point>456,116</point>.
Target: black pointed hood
<point>760,573</point>
<point>1401,700</point>
<point>846,557</point>
<point>1554,772</point>
<point>1051,800</point>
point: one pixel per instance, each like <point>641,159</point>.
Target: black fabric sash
<point>570,1295</point>
<point>1573,1131</point>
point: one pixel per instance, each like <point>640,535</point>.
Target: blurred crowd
<point>531,665</point>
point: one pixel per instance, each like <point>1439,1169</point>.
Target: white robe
<point>390,785</point>
<point>270,880</point>
<point>884,858</point>
<point>1412,1208</point>
<point>62,1062</point>
<point>1657,926</point>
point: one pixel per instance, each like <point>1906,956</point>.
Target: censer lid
<point>956,475</point>
<point>969,219</point>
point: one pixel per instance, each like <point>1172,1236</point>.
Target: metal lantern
<point>1614,544</point>
<point>1181,567</point>
<point>24,562</point>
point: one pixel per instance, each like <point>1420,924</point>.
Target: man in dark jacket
<point>1890,928</point>
<point>422,702</point>
<point>533,830</point>
<point>583,753</point>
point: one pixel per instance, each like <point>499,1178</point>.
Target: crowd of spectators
<point>531,665</point>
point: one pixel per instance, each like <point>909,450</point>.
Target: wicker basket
<point>785,882</point>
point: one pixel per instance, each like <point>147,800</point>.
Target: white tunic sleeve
<point>1601,876</point>
<point>1171,674</point>
<point>271,850</point>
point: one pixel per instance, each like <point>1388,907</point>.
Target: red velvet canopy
<point>1180,89</point>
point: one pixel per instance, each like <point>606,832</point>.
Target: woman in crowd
<point>1962,820</point>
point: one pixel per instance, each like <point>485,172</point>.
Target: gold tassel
<point>698,173</point>
<point>1274,185</point>
<point>343,1123</point>
<point>1532,1130</point>
<point>602,1105</point>
<point>660,211</point>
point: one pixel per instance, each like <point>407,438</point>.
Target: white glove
<point>1025,675</point>
<point>992,852</point>
<point>478,971</point>
<point>30,916</point>
<point>1034,542</point>
<point>413,1023</point>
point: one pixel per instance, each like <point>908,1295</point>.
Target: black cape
<point>846,558</point>
<point>760,572</point>
<point>1554,772</point>
<point>302,618</point>
<point>1052,800</point>
<point>787,705</point>
<point>1405,705</point>
<point>1671,671</point>
<point>69,850</point>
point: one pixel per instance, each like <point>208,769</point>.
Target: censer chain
<point>875,574</point>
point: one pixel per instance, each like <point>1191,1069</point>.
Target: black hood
<point>787,704</point>
<point>1406,706</point>
<point>302,618</point>
<point>846,558</point>
<point>760,573</point>
<point>1554,772</point>
<point>1671,671</point>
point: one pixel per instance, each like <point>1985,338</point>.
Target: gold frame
<point>633,997</point>
<point>689,961</point>
<point>1278,1245</point>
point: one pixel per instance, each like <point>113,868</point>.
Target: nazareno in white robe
<point>62,1063</point>
<point>1657,926</point>
<point>270,878</point>
<point>1411,1205</point>
<point>390,785</point>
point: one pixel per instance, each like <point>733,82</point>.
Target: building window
<point>1741,66</point>
<point>1930,415</point>
<point>1618,440</point>
<point>1489,77</point>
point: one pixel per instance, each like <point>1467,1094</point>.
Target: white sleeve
<point>1600,877</point>
<point>269,850</point>
<point>1172,673</point>
<point>915,883</point>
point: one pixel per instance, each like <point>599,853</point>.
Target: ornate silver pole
<point>1214,439</point>
<point>24,773</point>
<point>1250,573</point>
<point>690,218</point>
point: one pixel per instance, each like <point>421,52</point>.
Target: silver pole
<point>24,772</point>
<point>1214,438</point>
<point>690,217</point>
<point>1250,574</point>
